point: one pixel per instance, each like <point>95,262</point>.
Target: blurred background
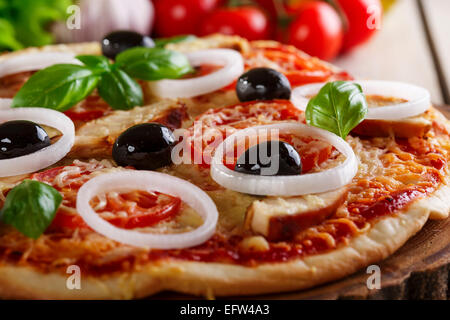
<point>406,40</point>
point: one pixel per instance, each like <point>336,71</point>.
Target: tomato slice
<point>136,209</point>
<point>143,209</point>
<point>212,127</point>
<point>67,220</point>
<point>91,108</point>
<point>298,67</point>
<point>313,152</point>
<point>202,70</point>
<point>10,84</point>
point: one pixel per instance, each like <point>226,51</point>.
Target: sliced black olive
<point>270,158</point>
<point>21,137</point>
<point>118,41</point>
<point>145,146</point>
<point>263,84</point>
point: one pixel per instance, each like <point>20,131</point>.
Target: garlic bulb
<point>100,17</point>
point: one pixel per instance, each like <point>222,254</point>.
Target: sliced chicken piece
<point>95,139</point>
<point>410,127</point>
<point>282,218</point>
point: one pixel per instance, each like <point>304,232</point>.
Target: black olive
<point>20,137</point>
<point>118,41</point>
<point>263,84</point>
<point>283,160</point>
<point>145,146</point>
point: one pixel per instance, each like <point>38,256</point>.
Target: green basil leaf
<point>57,87</point>
<point>338,107</point>
<point>97,64</point>
<point>30,207</point>
<point>119,90</point>
<point>153,63</point>
<point>7,36</point>
<point>32,18</point>
<point>162,42</point>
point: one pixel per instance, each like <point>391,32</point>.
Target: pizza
<point>163,194</point>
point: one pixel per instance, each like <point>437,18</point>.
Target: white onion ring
<point>149,181</point>
<point>418,98</point>
<point>295,185</point>
<point>35,61</point>
<point>233,67</point>
<point>46,156</point>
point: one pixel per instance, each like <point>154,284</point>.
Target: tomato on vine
<point>175,17</point>
<point>246,21</point>
<point>363,20</point>
<point>317,30</point>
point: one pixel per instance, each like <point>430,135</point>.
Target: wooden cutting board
<point>418,270</point>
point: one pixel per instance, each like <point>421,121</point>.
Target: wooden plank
<point>437,18</point>
<point>399,51</point>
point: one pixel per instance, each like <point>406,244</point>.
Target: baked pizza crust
<point>215,279</point>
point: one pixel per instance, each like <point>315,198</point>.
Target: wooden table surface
<point>413,45</point>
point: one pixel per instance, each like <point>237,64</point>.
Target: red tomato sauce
<point>238,116</point>
<point>426,154</point>
<point>362,211</point>
<point>387,204</point>
<point>249,114</point>
<point>91,108</point>
<point>202,70</point>
<point>143,209</point>
<point>221,249</point>
<point>297,67</point>
<point>10,84</point>
<point>311,155</point>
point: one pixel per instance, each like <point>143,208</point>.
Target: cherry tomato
<point>317,30</point>
<point>276,7</point>
<point>248,22</point>
<point>175,17</point>
<point>364,18</point>
<point>269,6</point>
